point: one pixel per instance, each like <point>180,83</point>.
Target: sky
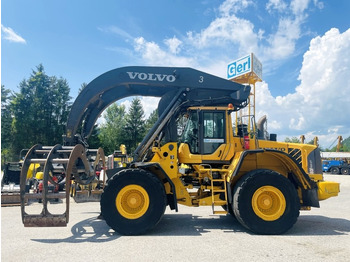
<point>303,45</point>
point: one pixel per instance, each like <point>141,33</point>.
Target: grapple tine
<point>45,218</point>
<point>74,162</point>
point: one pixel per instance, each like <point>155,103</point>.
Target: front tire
<point>133,202</point>
<point>265,202</point>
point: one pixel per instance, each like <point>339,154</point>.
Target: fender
<point>301,178</point>
<point>147,166</point>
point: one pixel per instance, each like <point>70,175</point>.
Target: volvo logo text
<point>151,77</point>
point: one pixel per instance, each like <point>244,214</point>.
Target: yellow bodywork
<point>327,189</point>
<point>32,170</point>
<point>39,176</point>
<point>234,161</point>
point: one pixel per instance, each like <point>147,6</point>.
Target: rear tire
<point>335,170</point>
<point>345,171</point>
<point>133,202</point>
<point>265,202</point>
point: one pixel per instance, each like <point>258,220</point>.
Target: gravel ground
<point>192,234</point>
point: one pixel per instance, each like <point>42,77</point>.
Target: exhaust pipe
<point>261,128</point>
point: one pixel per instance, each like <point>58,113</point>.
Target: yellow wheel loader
<point>192,156</point>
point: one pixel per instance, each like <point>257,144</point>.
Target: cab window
<point>190,133</point>
<point>214,131</point>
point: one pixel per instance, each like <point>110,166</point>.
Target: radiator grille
<point>295,153</point>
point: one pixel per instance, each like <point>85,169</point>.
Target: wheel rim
<point>268,203</point>
<point>132,201</point>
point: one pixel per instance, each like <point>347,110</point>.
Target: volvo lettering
<point>151,77</point>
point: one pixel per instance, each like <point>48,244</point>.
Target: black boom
<point>176,86</point>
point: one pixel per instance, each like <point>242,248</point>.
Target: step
<point>218,180</point>
<point>220,203</point>
<point>218,190</point>
<point>221,212</point>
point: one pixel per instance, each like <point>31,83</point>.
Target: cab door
<point>213,135</point>
<point>204,137</point>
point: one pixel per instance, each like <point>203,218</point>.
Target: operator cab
<point>204,137</point>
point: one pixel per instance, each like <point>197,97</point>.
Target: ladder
<point>216,190</point>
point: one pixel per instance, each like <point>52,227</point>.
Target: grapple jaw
<point>39,181</point>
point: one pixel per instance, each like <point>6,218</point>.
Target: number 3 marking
<point>201,79</point>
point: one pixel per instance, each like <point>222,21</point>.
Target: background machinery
<point>336,167</point>
<point>192,156</point>
<point>10,189</point>
<point>119,158</point>
<point>10,184</point>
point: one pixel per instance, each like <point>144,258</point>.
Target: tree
<point>311,142</point>
<point>40,110</point>
<point>292,140</point>
<point>83,85</point>
<point>121,128</point>
<point>94,140</point>
<point>61,108</point>
<point>151,120</point>
<point>134,129</point>
<point>111,130</point>
<point>346,144</point>
<point>6,120</point>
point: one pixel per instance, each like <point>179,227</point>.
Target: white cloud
<point>225,31</point>
<point>12,36</point>
<point>127,104</point>
<point>278,5</point>
<point>153,54</point>
<point>230,31</point>
<point>230,34</point>
<point>149,104</point>
<point>320,105</point>
<point>318,4</point>
<point>230,7</point>
<point>117,31</point>
<point>173,44</point>
<point>282,43</point>
<point>299,6</point>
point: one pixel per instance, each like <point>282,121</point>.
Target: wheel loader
<point>196,154</point>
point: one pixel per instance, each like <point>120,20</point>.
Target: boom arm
<point>185,86</point>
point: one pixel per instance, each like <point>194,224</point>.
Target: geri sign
<point>245,65</point>
<point>239,67</point>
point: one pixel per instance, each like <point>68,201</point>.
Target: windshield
<point>190,133</point>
